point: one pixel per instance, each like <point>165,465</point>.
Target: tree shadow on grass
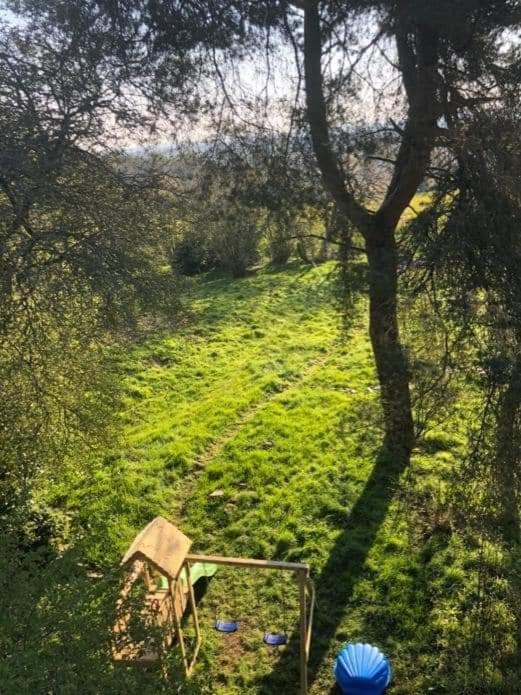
<point>337,579</point>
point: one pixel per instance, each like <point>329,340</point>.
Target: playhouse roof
<point>161,544</point>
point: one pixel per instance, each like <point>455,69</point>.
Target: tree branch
<point>317,116</point>
<point>418,57</point>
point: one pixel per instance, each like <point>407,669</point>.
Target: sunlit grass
<point>255,428</point>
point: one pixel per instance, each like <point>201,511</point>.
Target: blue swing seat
<point>226,625</point>
<point>275,639</point>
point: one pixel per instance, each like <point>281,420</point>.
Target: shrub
<point>192,254</point>
<point>235,243</point>
<point>218,238</point>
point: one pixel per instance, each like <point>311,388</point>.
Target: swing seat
<point>275,639</point>
<point>227,625</point>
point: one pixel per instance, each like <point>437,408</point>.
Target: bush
<point>236,244</point>
<point>192,254</point>
<point>279,233</point>
<point>227,240</point>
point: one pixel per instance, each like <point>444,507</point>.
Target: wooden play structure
<point>159,557</point>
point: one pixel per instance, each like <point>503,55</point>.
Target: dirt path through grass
<point>215,449</point>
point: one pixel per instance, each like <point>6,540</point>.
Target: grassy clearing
<point>260,401</point>
<point>185,393</point>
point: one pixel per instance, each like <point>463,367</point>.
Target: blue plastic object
<point>275,639</point>
<point>226,625</point>
<point>361,669</point>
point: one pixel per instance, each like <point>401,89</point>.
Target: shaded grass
<point>322,494</point>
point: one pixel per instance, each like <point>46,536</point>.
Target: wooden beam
<point>303,642</point>
<point>311,590</point>
<point>148,579</point>
<point>195,617</point>
<point>178,628</point>
<point>296,567</point>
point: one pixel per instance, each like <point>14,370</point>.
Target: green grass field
<point>255,429</point>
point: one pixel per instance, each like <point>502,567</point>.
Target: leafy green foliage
<point>79,252</point>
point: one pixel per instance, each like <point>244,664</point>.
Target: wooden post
<point>193,608</point>
<point>311,590</point>
<point>146,574</point>
<point>178,628</point>
<point>302,579</point>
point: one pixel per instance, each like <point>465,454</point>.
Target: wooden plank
<point>178,628</point>
<point>303,660</point>
<point>195,617</point>
<point>161,544</point>
<point>248,562</point>
<point>158,605</point>
<point>131,656</point>
<point>137,571</point>
<point>311,590</point>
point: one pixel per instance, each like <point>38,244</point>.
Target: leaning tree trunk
<point>390,359</point>
<point>417,47</point>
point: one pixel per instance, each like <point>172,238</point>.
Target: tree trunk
<point>391,362</point>
<point>418,60</point>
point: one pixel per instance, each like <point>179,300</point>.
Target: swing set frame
<point>306,591</point>
<point>164,548</point>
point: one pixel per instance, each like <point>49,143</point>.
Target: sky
<point>9,17</point>
<point>263,91</point>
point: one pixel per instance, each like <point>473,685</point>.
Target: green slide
<point>197,571</point>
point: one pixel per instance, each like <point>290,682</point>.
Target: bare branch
<point>317,116</point>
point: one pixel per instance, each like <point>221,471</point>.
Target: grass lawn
<point>255,429</point>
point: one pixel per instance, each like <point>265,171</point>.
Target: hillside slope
<point>256,429</point>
